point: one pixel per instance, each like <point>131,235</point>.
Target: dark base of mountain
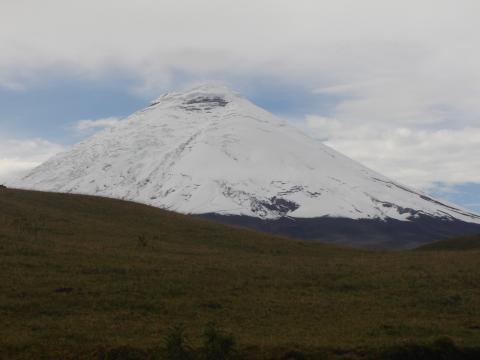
<point>367,233</point>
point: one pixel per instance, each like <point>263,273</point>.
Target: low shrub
<point>442,349</point>
<point>218,345</point>
<point>176,345</point>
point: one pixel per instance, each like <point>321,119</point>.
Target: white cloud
<point>323,43</point>
<point>415,156</point>
<point>84,125</point>
<point>19,156</point>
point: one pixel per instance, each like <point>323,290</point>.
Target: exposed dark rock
<point>213,101</point>
<point>401,210</point>
<point>204,103</point>
<point>154,103</point>
<point>282,206</point>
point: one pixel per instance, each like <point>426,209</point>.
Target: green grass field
<point>460,243</point>
<point>82,276</point>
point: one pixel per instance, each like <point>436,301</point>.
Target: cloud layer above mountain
<point>404,75</point>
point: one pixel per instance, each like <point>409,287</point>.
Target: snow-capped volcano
<point>209,150</point>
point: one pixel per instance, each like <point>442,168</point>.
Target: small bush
<point>218,345</point>
<point>122,353</point>
<point>142,241</point>
<point>176,346</point>
<point>294,355</point>
<point>442,349</point>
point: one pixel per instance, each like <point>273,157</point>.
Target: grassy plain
<point>82,276</point>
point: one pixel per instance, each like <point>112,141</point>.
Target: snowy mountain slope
<point>209,150</point>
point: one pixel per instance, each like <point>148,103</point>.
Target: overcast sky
<point>393,84</point>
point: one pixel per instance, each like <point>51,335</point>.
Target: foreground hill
<point>468,242</point>
<point>209,151</point>
<point>85,277</point>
